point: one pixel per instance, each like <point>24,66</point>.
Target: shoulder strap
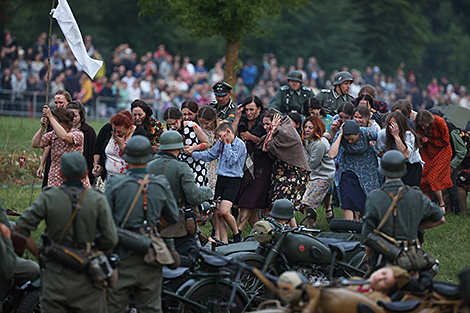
<point>74,213</point>
<point>164,167</point>
<point>389,211</point>
<point>142,184</point>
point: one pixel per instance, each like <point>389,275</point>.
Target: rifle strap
<point>136,197</point>
<point>74,213</point>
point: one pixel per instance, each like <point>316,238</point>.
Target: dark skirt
<point>288,182</point>
<point>413,174</point>
<point>352,196</point>
<point>254,192</point>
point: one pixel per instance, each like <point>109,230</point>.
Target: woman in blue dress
<point>357,174</point>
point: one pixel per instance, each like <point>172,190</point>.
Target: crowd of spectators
<point>165,79</point>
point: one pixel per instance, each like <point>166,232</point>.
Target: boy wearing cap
<point>223,103</point>
<point>64,289</point>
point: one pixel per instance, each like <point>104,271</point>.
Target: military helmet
<point>171,140</point>
<point>295,75</point>
<point>393,164</point>
<point>262,231</point>
<point>283,209</point>
<point>138,150</point>
<point>342,77</point>
<point>290,286</point>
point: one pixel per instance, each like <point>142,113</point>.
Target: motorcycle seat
<point>446,289</point>
<point>400,306</point>
<point>170,274</point>
<point>214,260</point>
<point>347,245</point>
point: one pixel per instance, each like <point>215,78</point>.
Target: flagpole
<point>48,77</point>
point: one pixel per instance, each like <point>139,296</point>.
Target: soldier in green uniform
<point>413,211</point>
<point>186,192</point>
<point>223,103</point>
<point>155,201</point>
<point>331,99</point>
<point>290,98</point>
<point>64,289</point>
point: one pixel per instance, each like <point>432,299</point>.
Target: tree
<point>233,20</point>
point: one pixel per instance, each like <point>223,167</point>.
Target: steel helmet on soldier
<point>138,150</point>
<point>283,209</point>
<point>393,164</point>
<point>342,77</point>
<point>171,140</point>
<point>295,75</point>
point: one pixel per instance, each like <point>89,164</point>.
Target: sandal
<point>328,219</point>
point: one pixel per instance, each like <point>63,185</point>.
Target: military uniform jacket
<point>7,256</point>
<point>55,207</point>
<point>331,100</point>
<point>226,112</point>
<point>412,208</point>
<point>120,192</point>
<point>287,100</point>
<point>181,179</point>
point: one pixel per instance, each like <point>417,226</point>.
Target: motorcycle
<point>333,297</point>
<point>23,297</point>
<point>319,258</point>
<point>206,286</point>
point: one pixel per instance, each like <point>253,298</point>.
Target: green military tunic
<point>331,100</point>
<point>287,100</point>
<point>181,179</point>
<point>412,208</point>
<point>144,279</point>
<point>226,112</point>
<point>63,289</point>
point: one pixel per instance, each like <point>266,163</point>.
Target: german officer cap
<point>221,89</point>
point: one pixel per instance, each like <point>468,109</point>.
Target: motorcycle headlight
<point>262,231</point>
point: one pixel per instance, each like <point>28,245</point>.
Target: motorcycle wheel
<point>341,225</point>
<point>30,303</point>
<point>205,295</point>
<point>248,280</point>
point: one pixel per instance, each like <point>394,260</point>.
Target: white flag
<point>64,16</point>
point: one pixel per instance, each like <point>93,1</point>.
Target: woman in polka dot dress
<point>194,140</point>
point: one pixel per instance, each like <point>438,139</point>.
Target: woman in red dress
<point>436,153</point>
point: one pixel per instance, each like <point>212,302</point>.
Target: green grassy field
<point>450,242</point>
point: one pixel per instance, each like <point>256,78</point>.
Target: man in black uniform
<point>223,103</point>
<point>290,98</point>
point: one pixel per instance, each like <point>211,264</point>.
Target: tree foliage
<point>233,20</point>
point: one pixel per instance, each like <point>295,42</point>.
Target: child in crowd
<point>231,152</point>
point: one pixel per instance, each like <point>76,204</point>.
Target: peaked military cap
<point>221,89</point>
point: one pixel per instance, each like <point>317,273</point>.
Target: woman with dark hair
<point>194,140</point>
<point>62,139</point>
<point>378,105</point>
<point>312,107</point>
<point>436,153</point>
<point>322,167</point>
<point>290,170</point>
<point>88,132</point>
<point>110,144</point>
<point>404,106</point>
<point>367,100</point>
<point>207,118</point>
<point>255,183</point>
<point>363,117</point>
<point>143,116</point>
<point>357,174</point>
<point>345,112</point>
<point>398,135</point>
<point>189,108</point>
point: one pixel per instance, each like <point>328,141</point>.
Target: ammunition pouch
<point>383,244</point>
<point>190,221</point>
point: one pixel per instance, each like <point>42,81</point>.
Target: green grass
<point>449,242</point>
